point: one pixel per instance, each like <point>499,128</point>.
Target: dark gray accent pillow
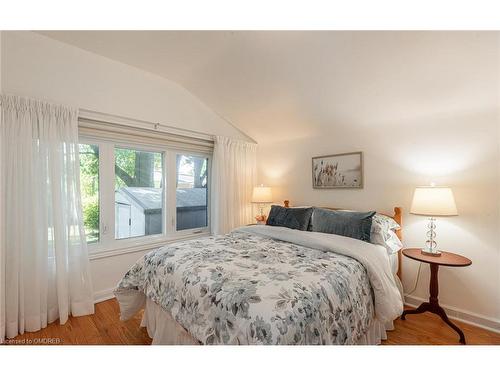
<point>293,218</point>
<point>344,223</point>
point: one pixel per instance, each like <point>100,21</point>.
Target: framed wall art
<point>338,171</point>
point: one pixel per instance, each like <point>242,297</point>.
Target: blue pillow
<point>344,223</point>
<point>293,218</point>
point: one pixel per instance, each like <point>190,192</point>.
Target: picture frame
<point>338,171</point>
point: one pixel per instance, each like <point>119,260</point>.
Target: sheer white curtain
<point>45,266</point>
<point>234,174</point>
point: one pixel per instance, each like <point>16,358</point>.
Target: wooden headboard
<point>398,218</point>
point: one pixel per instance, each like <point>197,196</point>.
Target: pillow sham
<point>388,239</point>
<point>382,233</point>
<point>382,223</point>
<point>344,223</point>
<point>293,218</point>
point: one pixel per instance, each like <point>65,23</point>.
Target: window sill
<point>99,254</point>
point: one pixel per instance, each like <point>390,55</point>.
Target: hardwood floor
<point>105,328</point>
<point>429,329</point>
<point>102,328</point>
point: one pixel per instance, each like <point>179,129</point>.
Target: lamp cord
<point>416,280</point>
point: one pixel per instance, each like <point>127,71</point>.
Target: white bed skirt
<point>164,330</point>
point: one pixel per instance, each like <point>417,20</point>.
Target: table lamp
<point>433,201</point>
<point>262,195</point>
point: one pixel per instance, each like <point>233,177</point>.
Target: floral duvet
<point>250,287</point>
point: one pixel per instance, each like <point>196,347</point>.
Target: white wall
<point>36,66</point>
<point>40,67</point>
<point>457,147</point>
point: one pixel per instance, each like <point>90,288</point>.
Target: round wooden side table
<point>446,259</point>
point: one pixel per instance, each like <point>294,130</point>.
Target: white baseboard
<point>103,295</point>
<point>468,317</point>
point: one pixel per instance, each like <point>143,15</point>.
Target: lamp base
<point>430,244</point>
<point>432,253</point>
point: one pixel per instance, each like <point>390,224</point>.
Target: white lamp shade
<point>433,201</point>
<point>262,194</point>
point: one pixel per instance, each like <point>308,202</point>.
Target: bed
<point>265,285</point>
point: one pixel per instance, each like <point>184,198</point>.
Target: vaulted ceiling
<point>289,85</point>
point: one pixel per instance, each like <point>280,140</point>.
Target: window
<point>191,194</point>
<point>139,191</point>
<point>89,185</point>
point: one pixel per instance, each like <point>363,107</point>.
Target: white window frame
<point>108,245</point>
<point>173,220</point>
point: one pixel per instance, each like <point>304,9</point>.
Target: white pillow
<point>389,240</point>
<point>382,233</point>
<point>383,223</point>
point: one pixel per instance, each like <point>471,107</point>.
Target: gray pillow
<point>344,223</point>
<point>293,218</point>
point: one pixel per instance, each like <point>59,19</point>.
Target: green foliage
<point>137,168</point>
<point>89,170</point>
<point>89,159</point>
<point>89,185</point>
<point>124,159</point>
<point>91,215</point>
